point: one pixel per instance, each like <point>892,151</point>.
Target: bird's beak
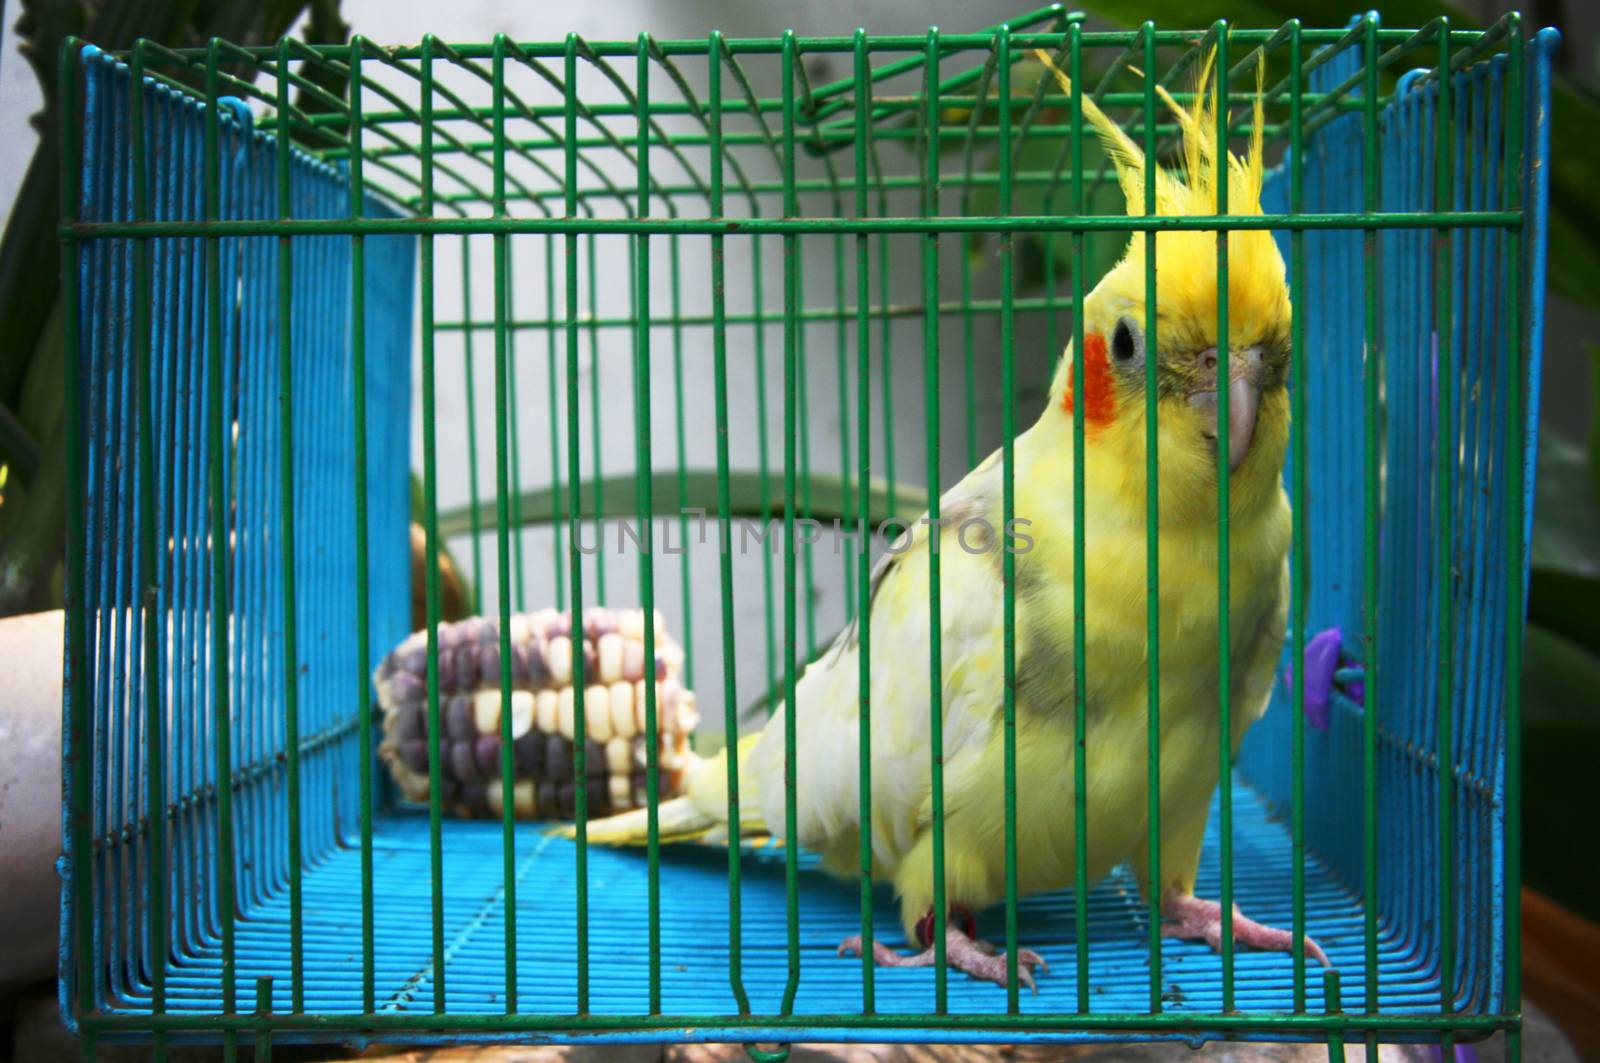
<point>1244,399</point>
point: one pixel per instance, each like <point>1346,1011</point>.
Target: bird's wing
<point>827,695</point>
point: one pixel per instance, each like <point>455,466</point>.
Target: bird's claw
<point>1191,919</point>
<point>973,955</point>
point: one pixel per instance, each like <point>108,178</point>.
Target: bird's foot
<point>963,952</point>
<point>1191,919</point>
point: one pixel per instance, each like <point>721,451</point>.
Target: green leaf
<point>32,534</point>
<point>1573,256</point>
<point>1563,603</point>
<point>1566,520</point>
<point>1594,421</point>
<point>1574,247</point>
<point>31,356</point>
<point>1561,743</point>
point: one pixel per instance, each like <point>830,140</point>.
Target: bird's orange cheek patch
<point>1099,403</point>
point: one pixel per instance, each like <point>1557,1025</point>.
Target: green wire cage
<point>783,282</point>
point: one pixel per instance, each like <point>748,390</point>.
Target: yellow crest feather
<point>1196,192</point>
<point>1258,295</point>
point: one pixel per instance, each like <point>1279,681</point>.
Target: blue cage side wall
<point>122,864</point>
<point>1406,694</point>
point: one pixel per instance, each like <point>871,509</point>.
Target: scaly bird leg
<point>963,951</point>
<point>1192,919</point>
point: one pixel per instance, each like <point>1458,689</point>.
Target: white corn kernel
<point>522,798</point>
<point>667,706</point>
<point>632,660</point>
<point>621,698</point>
<point>639,707</point>
<point>559,655</point>
<point>565,712</point>
<point>630,624</point>
<point>521,713</point>
<point>545,711</point>
<point>543,620</point>
<point>486,711</point>
<point>597,713</point>
<point>608,652</point>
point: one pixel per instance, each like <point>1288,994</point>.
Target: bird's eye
<point>1126,343</point>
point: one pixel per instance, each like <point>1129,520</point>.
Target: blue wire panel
<point>1410,601</point>
<point>181,360</point>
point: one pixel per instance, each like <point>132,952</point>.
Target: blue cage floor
<point>694,935</point>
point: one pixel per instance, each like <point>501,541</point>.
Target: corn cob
<point>543,714</point>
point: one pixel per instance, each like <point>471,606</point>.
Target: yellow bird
<point>1114,525</point>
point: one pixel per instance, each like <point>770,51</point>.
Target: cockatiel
<point>1112,393</point>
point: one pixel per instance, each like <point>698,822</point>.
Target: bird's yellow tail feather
<point>678,820</point>
<point>702,813</point>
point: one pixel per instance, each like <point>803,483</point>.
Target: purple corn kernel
<point>519,666</point>
<point>410,722</point>
<point>414,755</point>
<point>468,630</point>
<point>546,795</point>
<point>463,764</point>
<point>530,755</point>
<point>598,621</point>
<point>595,766</point>
<point>475,797</point>
<point>489,663</point>
<point>568,798</point>
<point>405,689</point>
<point>459,724</point>
<point>413,659</point>
<point>558,759</point>
<point>449,790</point>
<point>599,797</point>
<point>447,670</point>
<point>486,751</point>
<point>661,668</point>
<point>538,667</point>
<point>410,643</point>
<point>466,665</point>
<point>449,637</point>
